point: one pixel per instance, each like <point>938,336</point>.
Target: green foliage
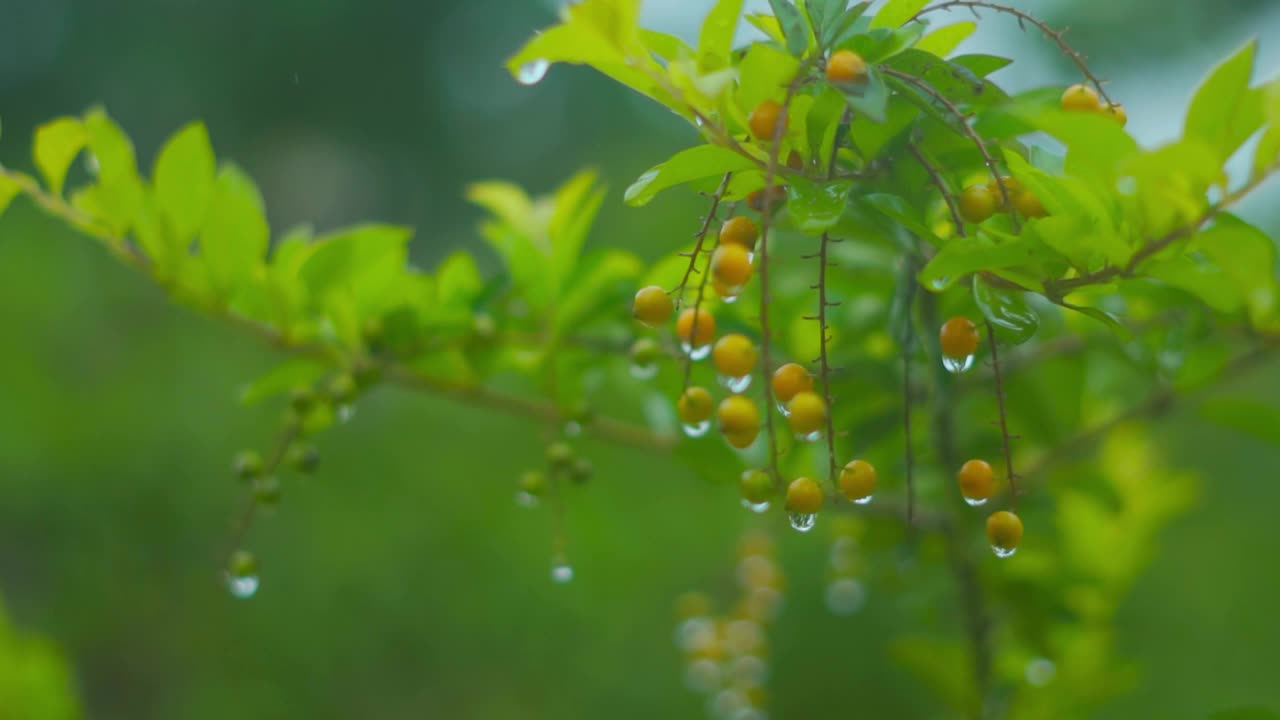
<point>35,682</point>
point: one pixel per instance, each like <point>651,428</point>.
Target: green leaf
<point>869,99</point>
<point>605,279</point>
<point>1096,145</point>
<point>953,81</point>
<point>9,189</point>
<point>1224,111</point>
<point>57,143</point>
<point>184,176</point>
<point>942,41</point>
<point>825,15</point>
<point>118,195</point>
<point>1245,415</point>
<point>283,378</point>
<point>1007,310</point>
<point>576,205</point>
<point>715,42</point>
<point>765,72</point>
<point>346,260</point>
<point>897,12</point>
<point>979,64</point>
<point>897,209</point>
<point>233,240</point>
<point>816,207</point>
<point>685,166</point>
<point>1204,280</point>
<point>1247,258</point>
<point>964,255</point>
<point>1267,154</point>
<point>1111,321</point>
<point>666,46</point>
<point>794,26</point>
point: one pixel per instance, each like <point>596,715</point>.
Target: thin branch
<point>824,366</point>
<point>1004,419</point>
<point>706,273</point>
<point>269,469</point>
<point>699,239</point>
<point>1054,35</point>
<point>908,451</point>
<point>939,183</point>
<point>978,142</point>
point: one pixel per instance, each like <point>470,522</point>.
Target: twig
<point>938,182</point>
<point>1004,421</point>
<point>702,284</point>
<point>824,366</point>
<point>269,469</point>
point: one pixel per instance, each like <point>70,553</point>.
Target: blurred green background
<point>403,582</point>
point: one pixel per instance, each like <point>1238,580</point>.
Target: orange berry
<point>795,161</point>
<point>976,480</point>
<point>959,338</point>
<point>739,416</point>
<point>1004,531</point>
<point>804,495</point>
<point>808,413</point>
<point>706,330</point>
<point>790,380</point>
<point>1028,205</point>
<point>694,406</point>
<point>1116,112</point>
<point>740,230</point>
<point>734,355</point>
<point>1080,97</point>
<point>777,196</point>
<point>858,480</point>
<point>846,67</point>
<point>652,306</point>
<point>767,120</point>
<point>977,203</point>
<point>731,265</point>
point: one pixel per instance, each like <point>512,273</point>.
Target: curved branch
<point>706,272</point>
<point>938,182</point>
<point>1004,420</point>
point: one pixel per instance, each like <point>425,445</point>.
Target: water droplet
<point>561,572</point>
<point>695,635</point>
<point>730,298</point>
<point>809,437</point>
<point>532,72</point>
<point>975,502</point>
<point>845,596</point>
<point>782,408</point>
<point>242,587</point>
<point>727,703</point>
<point>698,430</point>
<point>1002,552</point>
<point>751,256</point>
<point>1040,672</point>
<point>345,413</point>
<point>644,372</point>
<point>695,353</point>
<point>843,555</point>
<point>702,676</point>
<point>940,283</point>
<point>803,522</point>
<point>748,671</point>
<point>697,120</point>
<point>91,164</point>
<point>755,507</point>
<point>526,500</point>
<point>734,384</point>
<point>955,366</point>
<point>573,428</point>
<point>863,500</point>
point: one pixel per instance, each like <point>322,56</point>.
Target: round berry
<point>302,400</point>
<point>858,480</point>
<point>725,292</point>
<point>777,195</point>
<point>959,338</point>
<point>1028,204</point>
<point>1116,112</point>
<point>846,67</point>
<point>652,306</point>
<point>742,440</point>
<point>734,356</point>
<point>1004,532</point>
<point>646,351</point>
<point>247,465</point>
<point>977,203</point>
<point>739,230</point>
<point>739,416</point>
<point>731,265</point>
<point>808,413</point>
<point>795,161</point>
<point>804,495</point>
<point>559,455</point>
<point>533,482</point>
<point>756,486</point>
<point>977,482</point>
<point>767,120</point>
<point>581,470</point>
<point>790,380</point>
<point>694,406</point>
<point>304,458</point>
<point>1080,97</point>
<point>242,564</point>
<point>342,389</point>
<point>706,326</point>
<point>266,490</point>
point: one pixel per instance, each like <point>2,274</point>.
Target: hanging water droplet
<point>782,408</point>
<point>748,671</point>
<point>730,298</point>
<point>697,430</point>
<point>845,596</point>
<point>755,507</point>
<point>345,413</point>
<point>572,429</point>
<point>1040,672</point>
<point>644,372</point>
<point>803,522</point>
<point>863,500</point>
<point>727,703</point>
<point>242,587</point>
<point>561,572</point>
<point>734,384</point>
<point>975,502</point>
<point>532,72</point>
<point>695,353</point>
<point>697,120</point>
<point>702,676</point>
<point>1003,552</point>
<point>955,366</point>
<point>940,283</point>
<point>809,437</point>
<point>695,634</point>
<point>526,500</point>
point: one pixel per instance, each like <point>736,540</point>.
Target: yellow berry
<point>808,413</point>
<point>977,203</point>
<point>846,67</point>
<point>694,406</point>
<point>731,265</point>
<point>976,480</point>
<point>724,291</point>
<point>1028,205</point>
<point>652,306</point>
<point>755,486</point>
<point>1004,531</point>
<point>739,230</point>
<point>804,495</point>
<point>959,338</point>
<point>1116,112</point>
<point>739,416</point>
<point>769,118</point>
<point>858,480</point>
<point>742,440</point>
<point>1080,97</point>
<point>789,380</point>
<point>734,355</point>
<point>705,330</point>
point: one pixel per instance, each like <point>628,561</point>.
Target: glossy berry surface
<point>738,416</point>
<point>959,338</point>
<point>652,306</point>
<point>1028,204</point>
<point>695,405</point>
<point>808,413</point>
<point>1080,97</point>
<point>734,355</point>
<point>977,203</point>
<point>976,480</point>
<point>858,479</point>
<point>1116,112</point>
<point>846,67</point>
<point>755,486</point>
<point>705,331</point>
<point>1004,531</point>
<point>804,495</point>
<point>769,118</point>
<point>739,230</point>
<point>731,265</point>
<point>790,380</point>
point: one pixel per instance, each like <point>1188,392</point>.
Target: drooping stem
<point>824,360</point>
<point>1004,420</point>
<point>706,273</point>
<point>269,469</point>
<point>938,182</point>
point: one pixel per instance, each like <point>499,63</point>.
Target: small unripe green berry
<point>302,400</point>
<point>304,458</point>
<point>559,455</point>
<point>581,470</point>
<point>342,388</point>
<point>247,465</point>
<point>533,482</point>
<point>756,486</point>
<point>645,351</point>
<point>242,564</point>
<point>266,491</point>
